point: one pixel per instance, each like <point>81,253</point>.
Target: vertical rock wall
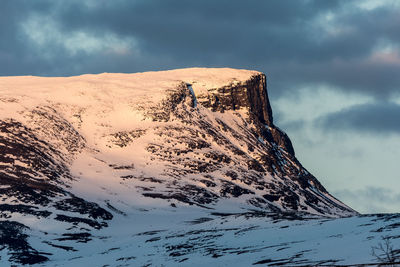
<point>251,94</point>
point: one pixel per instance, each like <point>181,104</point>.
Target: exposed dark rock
<point>76,204</point>
<point>49,124</point>
<point>232,174</point>
<point>162,112</point>
<point>220,158</point>
<point>251,94</point>
<point>66,248</point>
<point>13,237</point>
<point>77,220</point>
<point>271,197</point>
<point>282,140</point>
<point>233,190</point>
<point>122,139</point>
<point>78,237</point>
<point>208,183</point>
<point>20,143</point>
<point>189,194</point>
<point>7,209</point>
<point>255,165</point>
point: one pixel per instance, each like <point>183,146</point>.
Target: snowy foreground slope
<point>181,167</point>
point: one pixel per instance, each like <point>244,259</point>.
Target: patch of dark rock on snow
<point>126,258</point>
<point>76,220</point>
<point>200,220</point>
<point>109,250</point>
<point>66,248</point>
<point>255,165</point>
<point>232,189</point>
<point>78,237</point>
<point>189,194</point>
<point>271,198</point>
<point>7,209</point>
<point>13,238</point>
<point>388,227</point>
<point>20,142</point>
<point>122,167</point>
<point>81,206</point>
<point>114,209</point>
<point>218,157</point>
<point>208,183</point>
<point>276,216</point>
<point>157,238</point>
<point>154,232</point>
<point>122,139</point>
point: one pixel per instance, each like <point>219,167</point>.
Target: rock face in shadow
<point>251,94</point>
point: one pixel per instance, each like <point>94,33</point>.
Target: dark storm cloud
<point>12,49</point>
<point>294,42</point>
<point>376,118</point>
<point>378,78</point>
<point>19,55</point>
<point>204,32</point>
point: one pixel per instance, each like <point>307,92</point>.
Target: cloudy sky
<point>333,68</point>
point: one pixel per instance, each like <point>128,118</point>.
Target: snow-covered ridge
<point>149,85</point>
<point>85,153</point>
<point>115,99</point>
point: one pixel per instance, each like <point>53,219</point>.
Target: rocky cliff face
<point>251,95</point>
<point>79,153</point>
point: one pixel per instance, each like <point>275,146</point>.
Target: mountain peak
<point>80,153</point>
<point>205,131</point>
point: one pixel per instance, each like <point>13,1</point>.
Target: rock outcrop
<point>251,94</point>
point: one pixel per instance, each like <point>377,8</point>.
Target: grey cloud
<point>375,118</point>
<point>173,33</point>
<point>378,79</point>
<point>371,199</point>
<point>250,32</point>
<point>16,54</point>
<point>293,125</point>
<point>206,32</point>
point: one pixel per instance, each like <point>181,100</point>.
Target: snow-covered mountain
<point>158,168</point>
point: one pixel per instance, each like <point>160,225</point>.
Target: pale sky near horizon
<point>332,67</point>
